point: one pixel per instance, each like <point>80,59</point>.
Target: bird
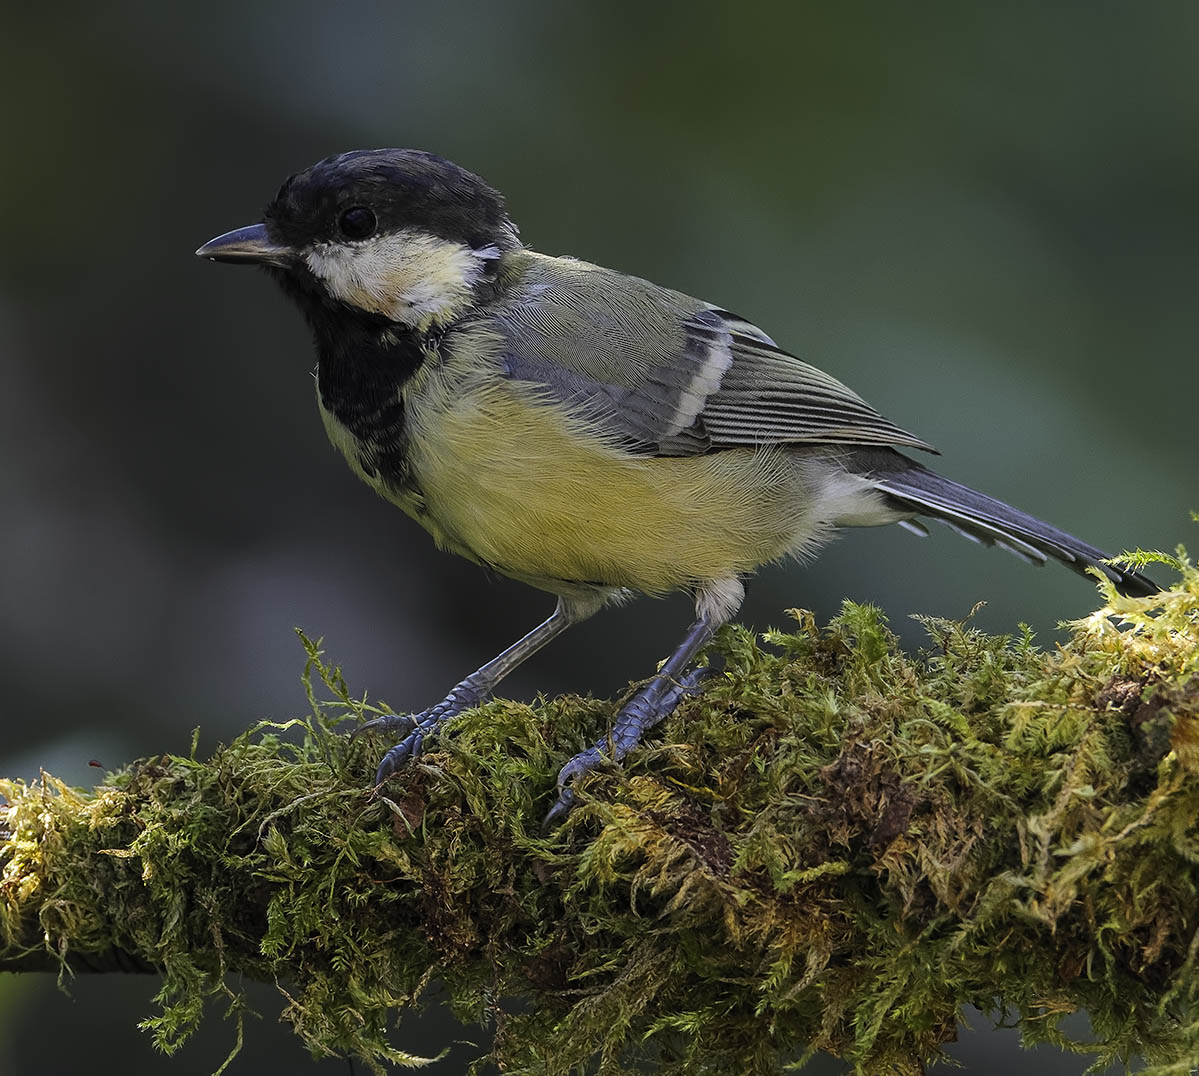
<point>584,431</point>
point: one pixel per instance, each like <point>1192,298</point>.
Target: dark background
<point>983,217</point>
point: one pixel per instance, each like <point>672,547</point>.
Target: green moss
<point>835,849</point>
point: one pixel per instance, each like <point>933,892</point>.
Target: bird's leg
<point>678,677</point>
<point>472,691</point>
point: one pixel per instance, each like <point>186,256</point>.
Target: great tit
<point>587,432</point>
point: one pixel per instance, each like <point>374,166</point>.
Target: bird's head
<point>394,235</point>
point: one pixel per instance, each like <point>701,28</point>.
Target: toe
<point>395,759</point>
<point>583,762</point>
<point>398,724</point>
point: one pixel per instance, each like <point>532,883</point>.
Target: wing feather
<point>666,374</point>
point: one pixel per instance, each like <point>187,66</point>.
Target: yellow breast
<point>514,481</point>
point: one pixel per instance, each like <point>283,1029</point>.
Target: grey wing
<point>767,395</point>
<point>666,374</point>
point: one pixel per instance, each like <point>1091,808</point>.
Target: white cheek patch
<point>407,276</point>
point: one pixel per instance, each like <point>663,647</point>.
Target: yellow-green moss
<point>836,848</point>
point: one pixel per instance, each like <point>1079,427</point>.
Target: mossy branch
<point>836,848</point>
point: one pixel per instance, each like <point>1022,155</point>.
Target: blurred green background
<point>983,217</point>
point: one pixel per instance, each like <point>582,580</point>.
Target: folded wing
<point>665,374</point>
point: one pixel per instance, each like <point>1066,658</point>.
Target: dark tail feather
<point>984,519</point>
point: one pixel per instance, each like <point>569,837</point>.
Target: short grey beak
<point>249,244</point>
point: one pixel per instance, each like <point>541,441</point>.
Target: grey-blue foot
<point>656,701</point>
<point>394,724</point>
<point>417,728</point>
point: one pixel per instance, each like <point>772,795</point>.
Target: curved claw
<point>401,724</point>
<point>583,762</point>
<point>557,814</point>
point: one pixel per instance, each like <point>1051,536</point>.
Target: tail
<point>983,519</point>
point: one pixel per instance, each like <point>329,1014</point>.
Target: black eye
<point>358,222</point>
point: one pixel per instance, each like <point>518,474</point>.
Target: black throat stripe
<point>364,360</point>
<point>360,374</point>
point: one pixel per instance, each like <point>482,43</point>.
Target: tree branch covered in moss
<point>835,849</point>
